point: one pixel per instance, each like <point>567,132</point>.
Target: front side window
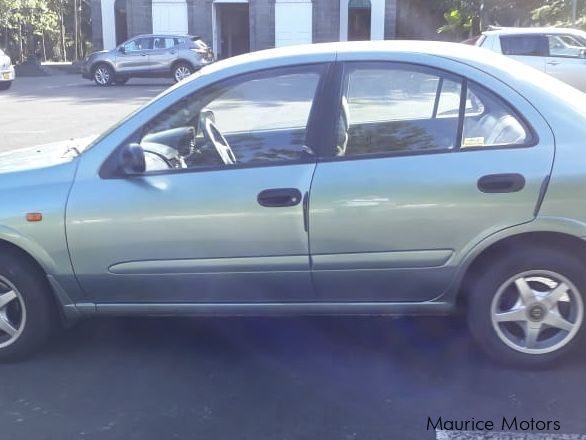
<point>253,120</point>
<point>565,46</point>
<point>392,108</point>
<point>139,44</point>
<point>524,45</point>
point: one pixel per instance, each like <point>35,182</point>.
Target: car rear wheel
<point>527,307</point>
<point>103,75</point>
<point>5,85</point>
<point>27,311</point>
<point>182,71</point>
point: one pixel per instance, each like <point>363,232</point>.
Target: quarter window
<point>256,119</point>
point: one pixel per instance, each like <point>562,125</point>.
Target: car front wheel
<point>527,307</point>
<point>27,312</point>
<point>5,85</point>
<point>103,75</point>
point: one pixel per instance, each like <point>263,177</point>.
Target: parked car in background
<point>559,52</point>
<point>365,178</point>
<point>6,71</point>
<point>147,56</point>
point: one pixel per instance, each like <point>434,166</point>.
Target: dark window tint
<point>527,45</point>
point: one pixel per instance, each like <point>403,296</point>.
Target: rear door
<point>530,49</point>
<point>425,165</point>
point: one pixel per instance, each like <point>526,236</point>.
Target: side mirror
<point>131,160</point>
<point>122,49</point>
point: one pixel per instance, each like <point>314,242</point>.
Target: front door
<point>566,60</point>
<point>135,56</point>
<point>404,196</point>
<point>218,216</point>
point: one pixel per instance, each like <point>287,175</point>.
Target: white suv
<point>6,71</point>
<point>557,51</point>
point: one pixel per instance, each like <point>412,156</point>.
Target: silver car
<point>173,56</point>
<point>6,71</point>
<point>559,52</point>
<point>349,179</point>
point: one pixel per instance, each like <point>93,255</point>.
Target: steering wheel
<point>215,137</point>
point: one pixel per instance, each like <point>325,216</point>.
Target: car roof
<point>167,36</point>
<point>532,30</point>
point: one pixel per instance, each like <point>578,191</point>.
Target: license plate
<point>6,75</point>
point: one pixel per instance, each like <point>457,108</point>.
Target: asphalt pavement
<point>252,378</point>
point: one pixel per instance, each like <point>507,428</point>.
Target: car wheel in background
<point>103,75</point>
<point>182,71</point>
<point>5,85</point>
<point>27,311</point>
<point>527,307</point>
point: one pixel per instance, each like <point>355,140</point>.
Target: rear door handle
<point>553,63</point>
<point>501,183</point>
<point>279,197</point>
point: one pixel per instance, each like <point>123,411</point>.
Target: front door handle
<point>279,197</point>
<point>553,63</point>
<point>501,183</point>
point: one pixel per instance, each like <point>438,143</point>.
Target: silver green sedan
<point>348,179</point>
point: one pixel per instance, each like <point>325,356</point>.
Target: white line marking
<point>480,435</point>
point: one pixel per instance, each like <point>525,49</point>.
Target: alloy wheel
<point>537,311</point>
<point>12,313</point>
<point>102,76</point>
<point>182,72</point>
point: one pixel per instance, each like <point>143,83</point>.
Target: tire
<point>32,312</point>
<point>516,305</point>
<point>181,71</point>
<point>121,80</point>
<point>103,75</point>
<point>5,85</point>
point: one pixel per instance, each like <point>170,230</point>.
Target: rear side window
<point>394,108</point>
<point>524,45</point>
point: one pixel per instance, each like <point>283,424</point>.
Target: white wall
<point>293,22</point>
<point>377,20</point>
<point>169,17</point>
<point>108,24</point>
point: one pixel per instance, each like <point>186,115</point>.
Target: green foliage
<point>43,28</point>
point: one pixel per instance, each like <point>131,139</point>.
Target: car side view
<point>366,178</point>
<point>174,56</point>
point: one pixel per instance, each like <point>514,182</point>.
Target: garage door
<point>170,17</point>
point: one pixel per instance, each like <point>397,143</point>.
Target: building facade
<point>238,26</point>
